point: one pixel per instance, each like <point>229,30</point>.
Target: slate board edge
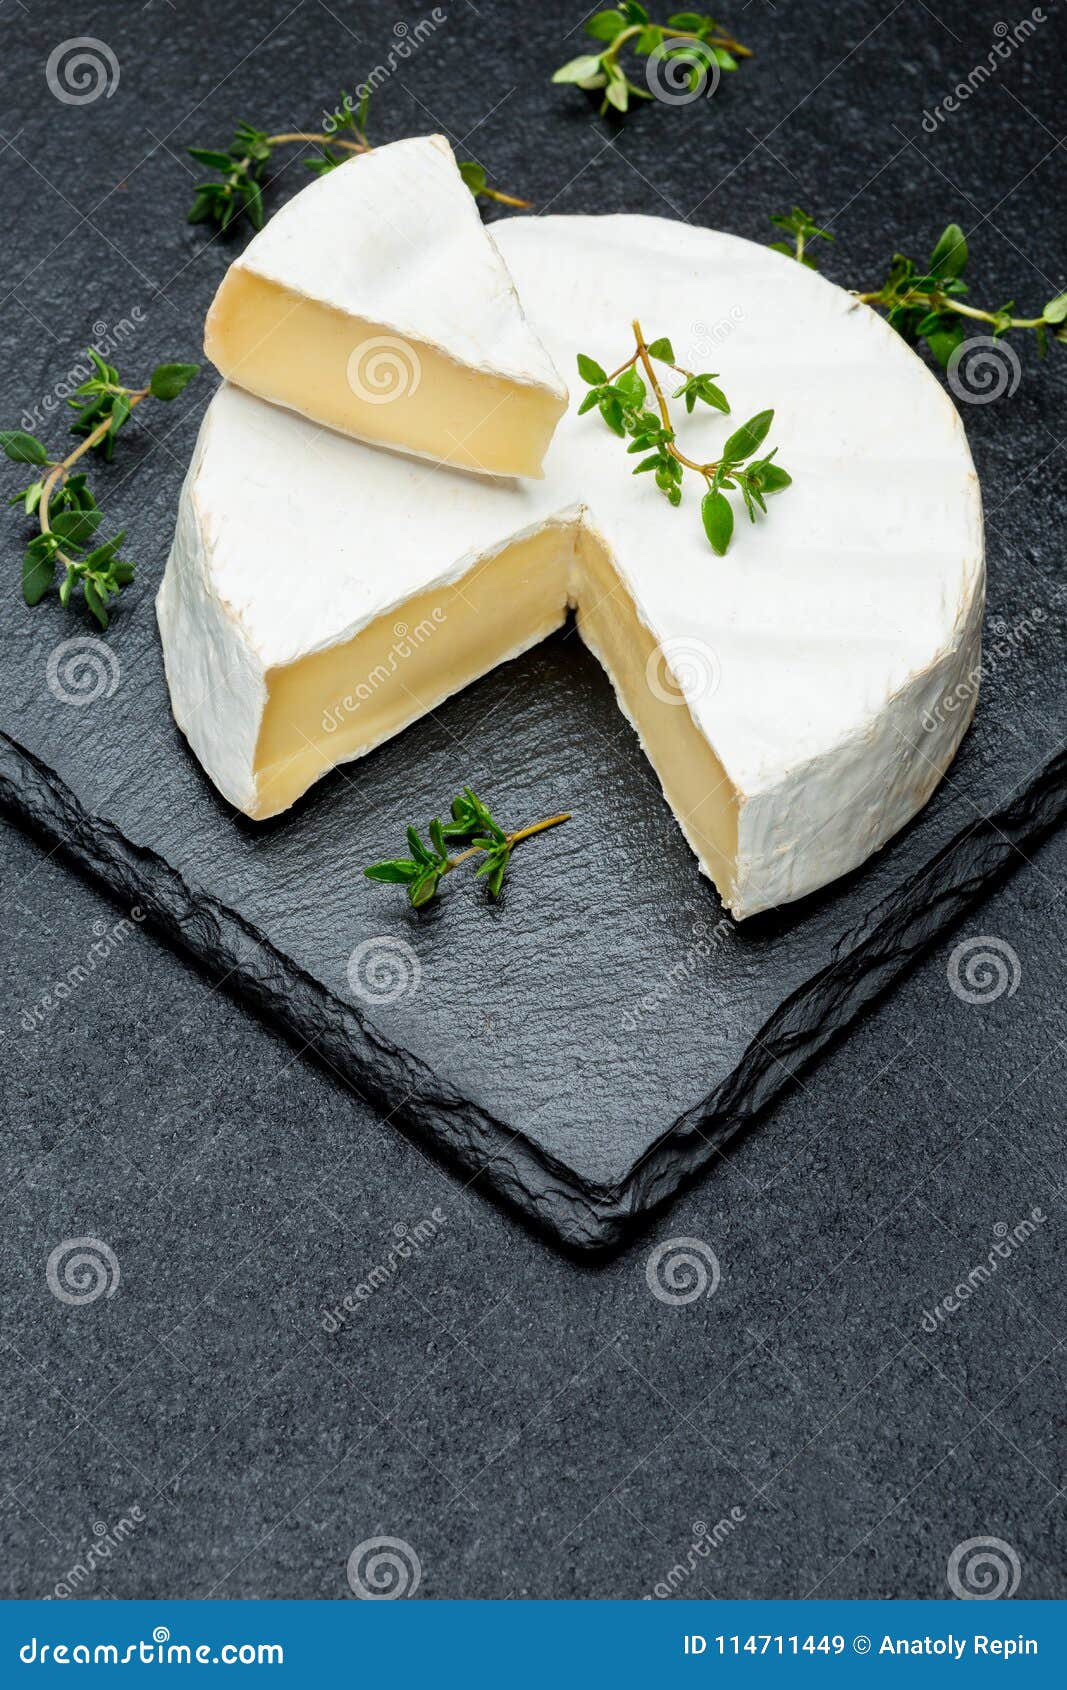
<point>579,1216</point>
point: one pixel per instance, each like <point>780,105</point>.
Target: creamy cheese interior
<point>693,780</point>
<point>367,381</point>
<point>340,703</point>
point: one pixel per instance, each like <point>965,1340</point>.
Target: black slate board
<point>590,1042</point>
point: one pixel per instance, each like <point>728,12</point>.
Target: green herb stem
<point>513,839</point>
<point>293,135</point>
<point>505,199</point>
<point>63,504</point>
<point>641,356</point>
<point>239,192</point>
<point>234,182</point>
<point>364,146</point>
<point>62,470</point>
<point>922,302</point>
<point>689,40</point>
<point>941,302</point>
<point>706,470</point>
<point>718,39</point>
<point>622,400</point>
<point>470,821</point>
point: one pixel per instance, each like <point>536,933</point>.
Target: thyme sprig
<point>471,825</point>
<point>925,302</point>
<point>803,229</point>
<point>238,192</point>
<point>621,399</point>
<point>691,37</point>
<point>66,509</point>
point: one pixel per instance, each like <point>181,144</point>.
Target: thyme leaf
<point>924,302</point>
<point>61,499</point>
<point>236,190</point>
<point>689,44</point>
<point>623,402</point>
<point>471,825</point>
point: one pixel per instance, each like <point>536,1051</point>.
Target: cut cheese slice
<point>375,301</point>
<point>321,595</point>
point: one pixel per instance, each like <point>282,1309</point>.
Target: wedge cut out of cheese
<point>376,302</point>
<point>321,595</point>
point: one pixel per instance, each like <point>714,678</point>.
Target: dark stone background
<point>532,1426</point>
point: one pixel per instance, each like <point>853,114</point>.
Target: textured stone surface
<point>532,1424</point>
<point>579,1160</point>
<point>598,1037</point>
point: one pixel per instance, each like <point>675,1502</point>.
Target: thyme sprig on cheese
<point>239,190</point>
<point>689,42</point>
<point>63,503</point>
<point>471,825</point>
<point>621,399</point>
<point>926,302</point>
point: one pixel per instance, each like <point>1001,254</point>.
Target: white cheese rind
<point>829,631</point>
<point>389,241</point>
<point>216,678</point>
